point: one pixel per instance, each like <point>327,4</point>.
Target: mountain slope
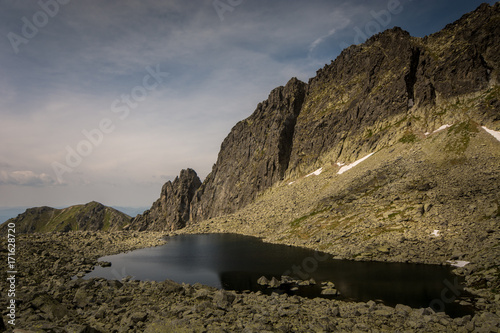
<point>388,207</point>
<point>91,216</point>
<point>392,88</point>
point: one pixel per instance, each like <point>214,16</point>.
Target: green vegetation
<point>295,223</point>
<point>408,137</point>
<point>92,216</point>
<point>64,220</point>
<point>460,135</point>
<point>107,220</point>
<point>399,122</point>
<point>393,215</point>
<point>377,232</point>
<point>492,94</point>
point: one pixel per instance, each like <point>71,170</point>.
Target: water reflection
<point>236,262</point>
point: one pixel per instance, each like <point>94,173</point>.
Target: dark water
<point>235,262</point>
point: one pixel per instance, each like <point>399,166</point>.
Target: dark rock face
<point>368,95</point>
<point>171,211</point>
<point>467,51</point>
<point>254,155</point>
<point>364,85</point>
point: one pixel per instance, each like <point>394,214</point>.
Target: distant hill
<point>10,212</point>
<point>91,216</point>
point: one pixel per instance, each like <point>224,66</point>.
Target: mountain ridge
<point>392,87</point>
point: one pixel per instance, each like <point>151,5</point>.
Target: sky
<point>108,100</point>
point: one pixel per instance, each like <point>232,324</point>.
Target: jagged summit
<point>171,211</point>
<point>373,95</point>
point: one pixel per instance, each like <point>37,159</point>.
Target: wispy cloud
<point>340,21</point>
<point>25,178</point>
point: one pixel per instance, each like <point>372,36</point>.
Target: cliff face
<point>171,211</point>
<point>92,216</point>
<point>254,155</point>
<point>361,89</point>
<point>393,84</point>
<point>393,87</point>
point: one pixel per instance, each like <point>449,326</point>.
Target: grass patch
<point>492,94</point>
<point>408,137</point>
<point>461,134</point>
<point>398,123</point>
<point>393,215</point>
<point>65,220</point>
<point>107,221</point>
<point>295,223</point>
<point>383,230</point>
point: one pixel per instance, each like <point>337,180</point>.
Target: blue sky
<point>107,100</point>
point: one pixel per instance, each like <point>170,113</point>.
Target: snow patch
<point>439,129</point>
<point>340,164</point>
<point>315,173</point>
<point>352,165</point>
<point>458,263</point>
<point>435,233</point>
<point>495,134</point>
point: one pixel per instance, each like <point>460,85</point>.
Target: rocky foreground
<point>49,300</point>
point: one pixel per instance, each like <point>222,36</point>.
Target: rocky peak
<point>171,211</point>
<point>471,43</point>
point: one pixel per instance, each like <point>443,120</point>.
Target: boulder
<point>138,316</point>
<point>263,281</point>
<point>223,299</point>
<point>104,263</point>
<point>51,307</point>
<point>383,249</point>
<point>403,310</point>
<point>82,298</point>
<point>274,283</point>
<point>329,291</point>
<point>285,279</point>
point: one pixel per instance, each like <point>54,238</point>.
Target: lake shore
<point>47,298</point>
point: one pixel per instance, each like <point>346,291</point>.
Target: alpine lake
<point>235,262</point>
